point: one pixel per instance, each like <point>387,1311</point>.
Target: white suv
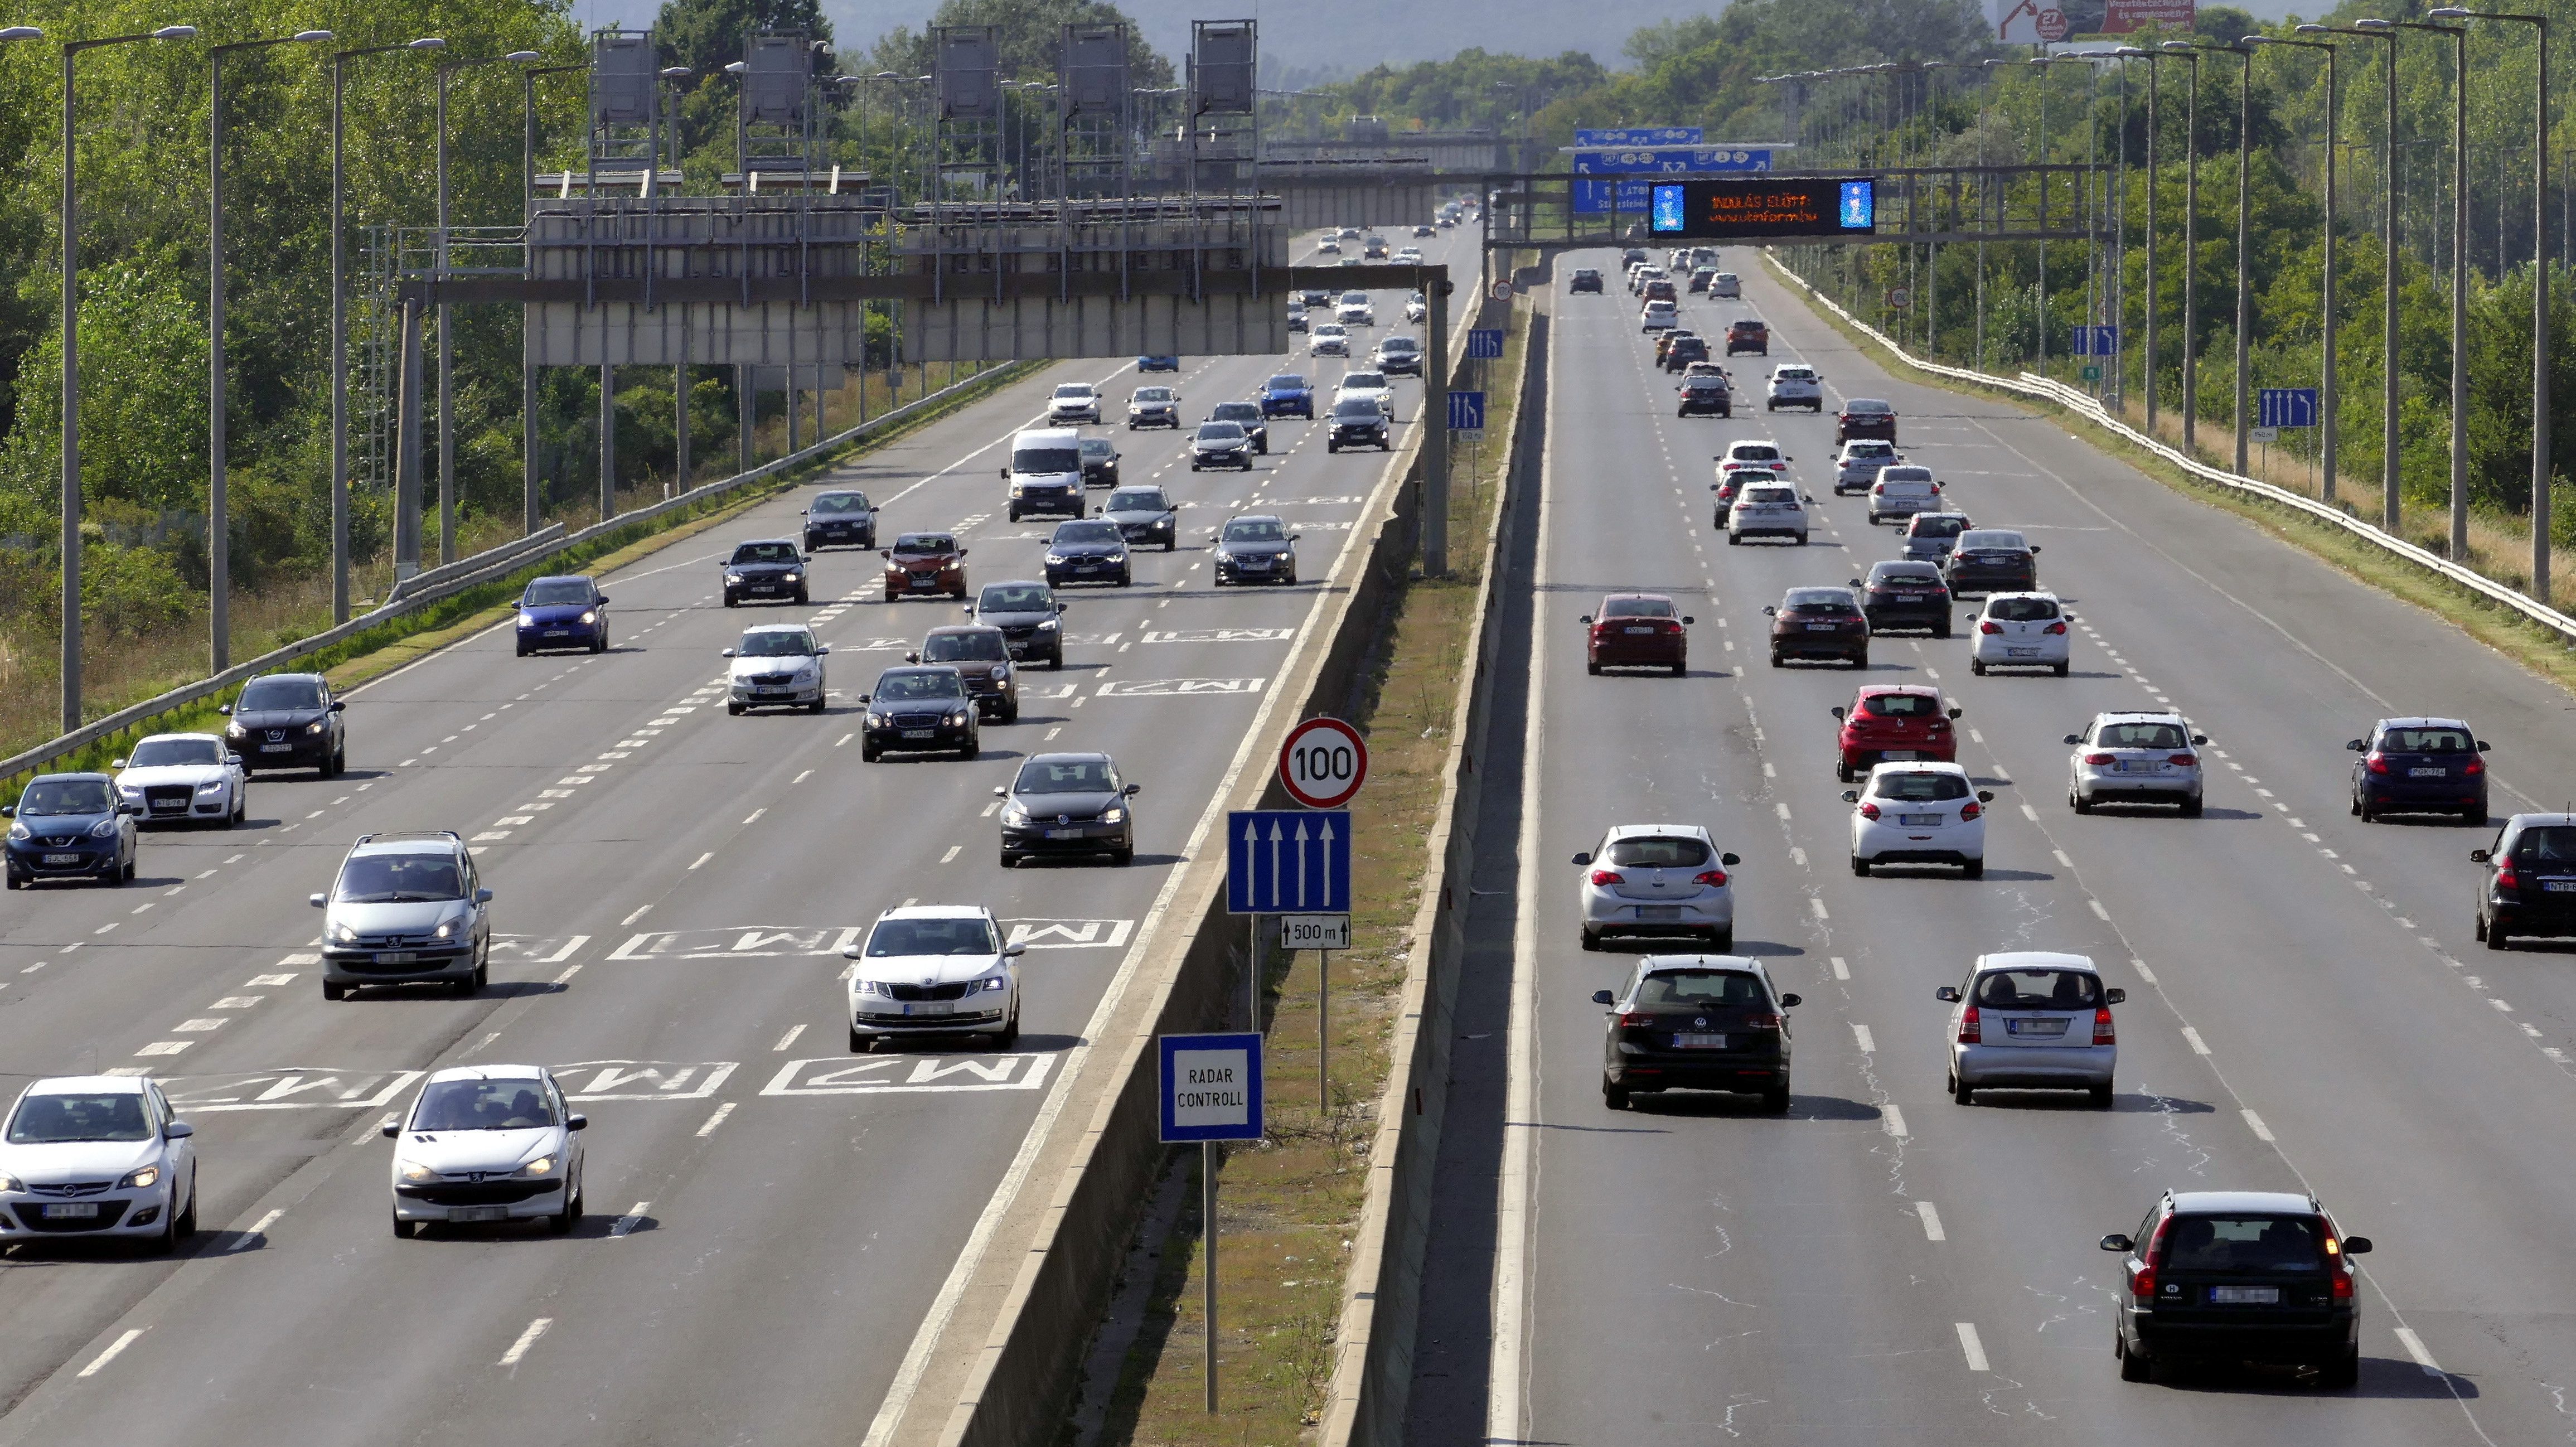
<point>1657,879</point>
<point>1074,402</point>
<point>1767,510</point>
<point>1355,310</point>
<point>1795,384</point>
<point>1918,813</point>
<point>934,969</point>
<point>2148,757</point>
<point>2020,630</point>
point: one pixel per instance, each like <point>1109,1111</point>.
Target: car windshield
<point>556,592</point>
<point>2244,1243</point>
<point>1637,608</point>
<point>1919,787</point>
<point>1818,600</point>
<point>2549,844</point>
<point>2038,990</point>
<point>953,935</point>
<point>1154,394</point>
<point>1354,298</point>
<point>47,797</point>
<point>399,879</point>
<point>1991,540</point>
<point>1362,381</point>
<point>511,1104</point>
<point>1937,525</point>
<point>42,1120</point>
<point>1901,705</point>
<point>1015,598</point>
<point>1753,452</point>
<point>1699,989</point>
<point>1358,409</point>
<point>1045,459</point>
<point>1087,532</point>
<point>1656,851</point>
<point>1585,273</point>
<point>1096,447</point>
<point>1288,383</point>
<point>2021,610</point>
<point>925,545</point>
<point>1898,575</point>
<point>1255,530</point>
<point>173,753</point>
<point>917,687</point>
<point>1078,391</point>
<point>1399,345</point>
<point>2395,741</point>
<point>1066,776</point>
<point>262,695</point>
<point>835,504</point>
<point>766,553</point>
<point>1220,432</point>
<point>974,645</point>
<point>1795,374</point>
<point>1235,412</point>
<point>775,643</point>
<point>1138,499</point>
<point>2140,736</point>
<point>1332,329</point>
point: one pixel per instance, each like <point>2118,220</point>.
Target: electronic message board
<point>1753,207</point>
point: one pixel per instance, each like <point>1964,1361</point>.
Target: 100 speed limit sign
<point>1323,763</point>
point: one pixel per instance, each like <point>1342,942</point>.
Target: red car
<point>922,565</point>
<point>1636,630</point>
<point>1895,722</point>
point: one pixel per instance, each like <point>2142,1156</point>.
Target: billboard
<point>2125,16</point>
<point>1747,208</point>
<point>1641,136</point>
<point>2028,22</point>
<point>1592,198</point>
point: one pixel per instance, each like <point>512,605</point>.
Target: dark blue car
<point>566,612</point>
<point>2420,766</point>
<point>70,826</point>
<point>1158,364</point>
<point>1288,395</point>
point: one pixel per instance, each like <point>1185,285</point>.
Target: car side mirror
<point>1014,951</point>
<point>1985,796</point>
<point>2356,745</point>
<point>822,648</point>
<point>2072,739</point>
<point>2115,996</point>
<point>912,658</point>
<point>2483,746</point>
<point>1958,713</point>
<point>2034,548</point>
<point>1947,994</point>
<point>1811,497</point>
<point>2479,856</point>
<point>178,1130</point>
<point>1003,473</point>
<point>2117,1242</point>
<point>603,598</point>
<point>968,610</point>
<point>849,952</point>
<point>1584,858</point>
<point>116,763</point>
<point>2356,1246</point>
<point>1292,537</point>
<point>393,1130</point>
<point>1851,796</point>
<point>338,706</point>
<point>1603,997</point>
<point>1791,1002</point>
<point>863,700</point>
<point>1688,620</point>
<point>233,759</point>
<point>2200,738</point>
<point>1586,618</point>
<point>576,1122</point>
<point>1770,612</point>
<point>224,709</point>
<point>1132,790</point>
<point>886,553</point>
<point>725,653</point>
<point>317,900</point>
<point>482,896</point>
<point>1837,710</point>
<point>961,552</point>
<point>1060,607</point>
<point>129,807</point>
<point>1857,583</point>
<point>1000,792</point>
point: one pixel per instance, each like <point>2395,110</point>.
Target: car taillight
<point>1634,1020</point>
<point>1608,876</point>
<point>1970,810</point>
<point>2103,1033</point>
<point>1710,877</point>
<point>2474,767</point>
<point>2183,760</point>
<point>1990,627</point>
<point>1671,626</point>
<point>2506,878</point>
<point>1762,1022</point>
<point>2142,1277</point>
<point>1971,1030</point>
<point>2097,758</point>
<point>1869,811</point>
<point>2057,627</point>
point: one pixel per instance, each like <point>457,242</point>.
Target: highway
<point>2307,1009</point>
<point>770,1219</point>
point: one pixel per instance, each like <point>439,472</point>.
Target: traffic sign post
<point>2286,407</point>
<point>1288,861</point>
<point>1484,343</point>
<point>1210,1092</point>
<point>1466,411</point>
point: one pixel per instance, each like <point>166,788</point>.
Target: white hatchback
<point>934,969</point>
<point>1328,339</point>
<point>1658,316</point>
<point>1795,384</point>
<point>1918,813</point>
<point>1767,510</point>
<point>2020,630</point>
<point>2032,1020</point>
<point>488,1143</point>
<point>1657,879</point>
<point>97,1155</point>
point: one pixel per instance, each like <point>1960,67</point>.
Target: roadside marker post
<point>1210,1092</point>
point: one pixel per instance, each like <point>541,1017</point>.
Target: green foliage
<point>143,402</point>
<point>1029,30</point>
<point>707,35</point>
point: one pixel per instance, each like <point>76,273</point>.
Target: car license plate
<point>1919,821</point>
<point>2134,766</point>
<point>478,1213</point>
<point>924,581</point>
<point>1909,597</point>
<point>769,693</point>
<point>396,957</point>
<point>275,748</point>
<point>557,632</point>
<point>1897,754</point>
<point>1638,632</point>
<point>2559,886</point>
<point>917,733</point>
<point>72,1211</point>
<point>2245,1296</point>
<point>2021,653</point>
<point>1689,1041</point>
<point>1064,834</point>
<point>2428,773</point>
<point>2051,1028</point>
<point>1820,628</point>
<point>1659,911</point>
<point>62,859</point>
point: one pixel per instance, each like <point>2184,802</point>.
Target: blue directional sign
<point>1288,861</point>
<point>1641,136</point>
<point>1466,411</point>
<point>1484,343</point>
<point>2286,407</point>
<point>1592,198</point>
<point>2095,342</point>
<point>1210,1087</point>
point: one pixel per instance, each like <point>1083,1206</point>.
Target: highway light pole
<point>672,75</point>
<point>340,319</point>
<point>2459,548</point>
<point>446,330</point>
<point>531,487</point>
<point>2147,367</point>
<point>2391,501</point>
<point>2244,250</point>
<point>219,643</point>
<point>2328,397</point>
<point>2540,400</point>
<point>2190,55</point>
<point>71,496</point>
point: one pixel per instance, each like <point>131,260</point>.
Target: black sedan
<point>1902,594</point>
<point>1099,462</point>
<point>1359,422</point>
<point>1248,416</point>
<point>1992,560</point>
<point>1143,515</point>
<point>771,568</point>
<point>1255,548</point>
<point>1696,1022</point>
<point>924,709</point>
<point>1585,280</point>
<point>1068,804</point>
<point>1705,397</point>
<point>1221,444</point>
<point>288,721</point>
<point>1088,550</point>
<point>2530,883</point>
<point>70,826</point>
<point>842,518</point>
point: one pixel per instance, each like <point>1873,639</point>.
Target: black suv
<point>1696,1022</point>
<point>2530,884</point>
<point>2420,765</point>
<point>288,721</point>
<point>1902,594</point>
<point>2238,1276</point>
<point>1585,279</point>
<point>1359,422</point>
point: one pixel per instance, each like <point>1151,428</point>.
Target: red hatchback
<point>1895,722</point>
<point>1636,630</point>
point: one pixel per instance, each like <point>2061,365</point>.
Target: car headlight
<point>792,577</point>
<point>542,1166</point>
<point>876,720</point>
<point>733,577</point>
<point>137,1180</point>
<point>446,929</point>
<point>866,987</point>
<point>131,791</point>
<point>317,726</point>
<point>591,616</point>
<point>1001,671</point>
<point>211,786</point>
<point>1047,626</point>
<point>995,983</point>
<point>527,619</point>
<point>19,831</point>
<point>1113,815</point>
<point>414,1171</point>
<point>103,829</point>
<point>10,1183</point>
<point>1015,815</point>
<point>343,934</point>
<point>1054,558</point>
<point>959,717</point>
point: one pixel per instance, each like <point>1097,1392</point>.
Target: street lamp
<point>340,322</point>
<point>2244,250</point>
<point>672,75</point>
<point>2459,548</point>
<point>446,341</point>
<point>2189,54</point>
<point>2391,502</point>
<point>219,644</point>
<point>530,489</point>
<point>71,498</point>
<point>2539,293</point>
<point>2327,395</point>
<point>2154,298</point>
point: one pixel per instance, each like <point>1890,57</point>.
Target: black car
<point>1068,804</point>
<point>1315,296</point>
<point>1704,396</point>
<point>1696,1022</point>
<point>1088,550</point>
<point>1028,615</point>
<point>1819,623</point>
<point>770,568</point>
<point>1901,594</point>
<point>1633,255</point>
<point>288,721</point>
<point>921,709</point>
<point>1099,462</point>
<point>1143,515</point>
<point>2420,766</point>
<point>1585,280</point>
<point>1992,560</point>
<point>1221,444</point>
<point>2530,884</point>
<point>1684,351</point>
<point>1399,357</point>
<point>1359,422</point>
<point>1249,417</point>
<point>841,518</point>
<point>1255,548</point>
<point>2238,1276</point>
<point>70,826</point>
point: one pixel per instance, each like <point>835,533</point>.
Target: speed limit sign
<point>1323,763</point>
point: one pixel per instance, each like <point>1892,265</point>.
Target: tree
<point>708,35</point>
<point>1029,31</point>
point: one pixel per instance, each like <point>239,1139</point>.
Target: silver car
<point>406,909</point>
<point>488,1143</point>
<point>1861,459</point>
<point>1929,536</point>
<point>1657,879</point>
<point>2032,1020</point>
<point>2148,757</point>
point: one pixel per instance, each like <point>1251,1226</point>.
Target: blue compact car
<point>1288,395</point>
<point>1158,364</point>
<point>566,612</point>
<point>70,826</point>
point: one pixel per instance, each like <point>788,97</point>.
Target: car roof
<point>954,628</point>
<point>86,1085</point>
<point>1092,757</point>
<point>1626,594</point>
<point>154,738</point>
<point>560,578</point>
<point>2040,593</point>
<point>2397,723</point>
<point>318,678</point>
<point>1905,472</point>
<point>757,542</point>
<point>1914,566</point>
<point>2159,715</point>
<point>2223,1203</point>
<point>407,842</point>
<point>1652,964</point>
<point>1258,517</point>
<point>2539,821</point>
<point>936,911</point>
<point>2034,960</point>
<point>1866,404</point>
<point>1648,831</point>
<point>908,669</point>
<point>1919,766</point>
<point>902,538</point>
<point>488,1072</point>
<point>1917,690</point>
<point>2011,533</point>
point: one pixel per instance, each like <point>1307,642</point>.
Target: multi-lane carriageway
<point>771,1220</point>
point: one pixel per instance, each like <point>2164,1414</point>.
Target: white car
<point>486,1143</point>
<point>1328,339</point>
<point>1416,307</point>
<point>2032,1020</point>
<point>1918,813</point>
<point>1902,490</point>
<point>1408,256</point>
<point>1767,510</point>
<point>1372,386</point>
<point>98,1155</point>
<point>2019,630</point>
<point>1355,310</point>
<point>2143,757</point>
<point>1329,246</point>
<point>776,665</point>
<point>934,969</point>
<point>181,778</point>
<point>1726,284</point>
<point>1795,384</point>
<point>1859,463</point>
<point>1658,316</point>
<point>1074,402</point>
<point>1657,879</point>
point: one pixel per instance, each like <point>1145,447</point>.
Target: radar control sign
<point>1738,208</point>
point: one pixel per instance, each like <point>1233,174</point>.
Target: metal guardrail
<point>2074,400</point>
<point>425,588</point>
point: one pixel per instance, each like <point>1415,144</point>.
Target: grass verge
<point>1286,1206</point>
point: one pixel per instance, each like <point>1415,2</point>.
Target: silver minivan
<point>2032,1020</point>
<point>407,909</point>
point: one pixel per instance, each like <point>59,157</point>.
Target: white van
<point>1045,472</point>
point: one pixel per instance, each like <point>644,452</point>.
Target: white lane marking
<point>2255,1124</point>
<point>2143,972</point>
<point>2062,860</point>
<point>953,851</point>
<point>1868,1043</point>
<point>789,1038</point>
<point>257,1229</point>
<point>2197,1046</point>
<point>1818,906</point>
<point>632,918</point>
<point>754,816</point>
<point>2030,813</point>
<point>703,858</point>
<point>566,977</point>
<point>197,1026</point>
<point>1841,971</point>
<point>1894,1120</point>
<point>1971,1348</point>
<point>627,1223</point>
<point>715,1120</point>
<point>165,1047</point>
<point>2406,1338</point>
<point>2099,912</point>
<point>268,980</point>
<point>1931,1222</point>
<point>109,1355</point>
<point>526,1340</point>
<point>1783,810</point>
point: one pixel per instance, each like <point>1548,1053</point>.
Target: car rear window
<point>1936,525</point>
<point>1703,989</point>
<point>2140,736</point>
<point>1905,575</point>
<point>1767,495</point>
<point>2021,610</point>
<point>1819,600</point>
<point>1991,540</point>
<point>1858,405</point>
<point>2547,844</point>
<point>1753,452</point>
<point>2039,990</point>
<point>1657,851</point>
<point>2245,1243</point>
<point>1869,449</point>
<point>1904,705</point>
<point>1637,608</point>
<point>1915,476</point>
<point>2425,741</point>
<point>1919,788</point>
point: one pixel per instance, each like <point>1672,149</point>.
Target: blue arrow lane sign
<point>1484,343</point>
<point>2286,407</point>
<point>1466,411</point>
<point>1288,861</point>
